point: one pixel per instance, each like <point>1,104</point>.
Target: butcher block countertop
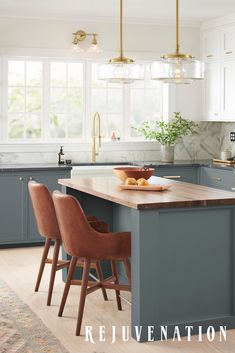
<point>179,195</point>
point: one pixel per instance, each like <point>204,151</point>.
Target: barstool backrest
<point>78,237</point>
<point>44,210</point>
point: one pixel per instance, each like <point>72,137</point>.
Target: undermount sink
<point>101,164</point>
<point>95,169</point>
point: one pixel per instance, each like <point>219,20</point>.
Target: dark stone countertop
<point>206,163</point>
<point>36,167</point>
<point>53,166</point>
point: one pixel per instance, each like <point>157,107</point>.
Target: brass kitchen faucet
<point>94,151</point>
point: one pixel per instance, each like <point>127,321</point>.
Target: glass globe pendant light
<point>121,69</point>
<point>177,67</point>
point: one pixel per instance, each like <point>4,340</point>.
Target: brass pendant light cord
<point>177,27</point>
<point>121,38</point>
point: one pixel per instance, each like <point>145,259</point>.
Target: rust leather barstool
<point>48,228</point>
<point>82,241</point>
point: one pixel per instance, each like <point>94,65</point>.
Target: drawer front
<point>216,178</point>
<point>185,174</point>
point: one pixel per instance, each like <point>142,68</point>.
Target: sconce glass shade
<point>120,72</point>
<point>177,70</point>
<point>77,48</point>
<point>94,48</point>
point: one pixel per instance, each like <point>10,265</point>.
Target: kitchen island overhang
<point>182,250</point>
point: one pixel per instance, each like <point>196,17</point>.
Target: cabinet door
<point>51,180</point>
<point>210,45</point>
<point>212,92</point>
<point>185,174</point>
<point>228,89</point>
<point>216,178</point>
<point>12,211</point>
<point>228,41</point>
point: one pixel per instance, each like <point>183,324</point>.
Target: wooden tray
<point>151,187</point>
<point>223,161</point>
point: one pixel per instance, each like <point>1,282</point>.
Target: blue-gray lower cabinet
<point>188,174</point>
<point>217,178</point>
<point>12,206</point>
<point>17,221</point>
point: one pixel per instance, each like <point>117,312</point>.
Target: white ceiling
<point>191,10</point>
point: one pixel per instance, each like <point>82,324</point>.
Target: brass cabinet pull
<point>228,52</point>
<point>216,178</point>
<point>172,176</point>
<point>209,56</point>
<point>30,178</point>
<point>21,178</point>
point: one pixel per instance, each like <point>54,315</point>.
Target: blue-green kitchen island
<point>183,250</point>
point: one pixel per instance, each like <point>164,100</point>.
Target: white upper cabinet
<point>228,41</point>
<point>211,92</point>
<point>210,45</point>
<point>218,52</point>
<point>227,91</point>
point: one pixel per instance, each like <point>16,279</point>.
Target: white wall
<point>57,34</point>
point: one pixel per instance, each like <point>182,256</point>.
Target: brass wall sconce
<point>80,36</point>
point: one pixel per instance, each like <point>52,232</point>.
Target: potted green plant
<point>167,133</point>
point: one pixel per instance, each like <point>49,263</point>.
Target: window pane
<point>16,73</point>
<point>137,101</point>
<point>114,100</point>
<point>58,74</point>
<point>33,100</point>
<point>75,74</point>
<point>74,100</point>
<point>16,126</point>
<point>98,100</point>
<point>75,127</point>
<point>153,101</point>
<point>33,73</point>
<point>16,99</point>
<point>33,126</point>
<point>58,126</point>
<point>115,123</point>
<point>95,82</point>
<point>59,100</point>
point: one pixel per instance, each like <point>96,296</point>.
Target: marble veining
<point>206,143</point>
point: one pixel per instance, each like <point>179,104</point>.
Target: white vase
<point>167,153</point>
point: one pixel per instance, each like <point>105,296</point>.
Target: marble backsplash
<point>207,142</point>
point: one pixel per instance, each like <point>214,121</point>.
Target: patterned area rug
<point>21,331</point>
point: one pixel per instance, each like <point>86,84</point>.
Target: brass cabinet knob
<point>30,178</point>
<point>21,178</point>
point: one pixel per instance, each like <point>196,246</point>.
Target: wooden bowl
<point>132,172</point>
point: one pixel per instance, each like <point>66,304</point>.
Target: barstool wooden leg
<point>53,270</point>
<point>117,292</point>
<point>101,277</point>
<point>43,262</point>
<point>72,266</point>
<point>85,278</point>
<point>128,269</point>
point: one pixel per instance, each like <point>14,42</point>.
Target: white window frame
<point>73,144</point>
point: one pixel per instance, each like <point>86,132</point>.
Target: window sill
<point>28,147</point>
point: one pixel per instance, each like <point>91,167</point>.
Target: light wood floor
<point>18,267</point>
